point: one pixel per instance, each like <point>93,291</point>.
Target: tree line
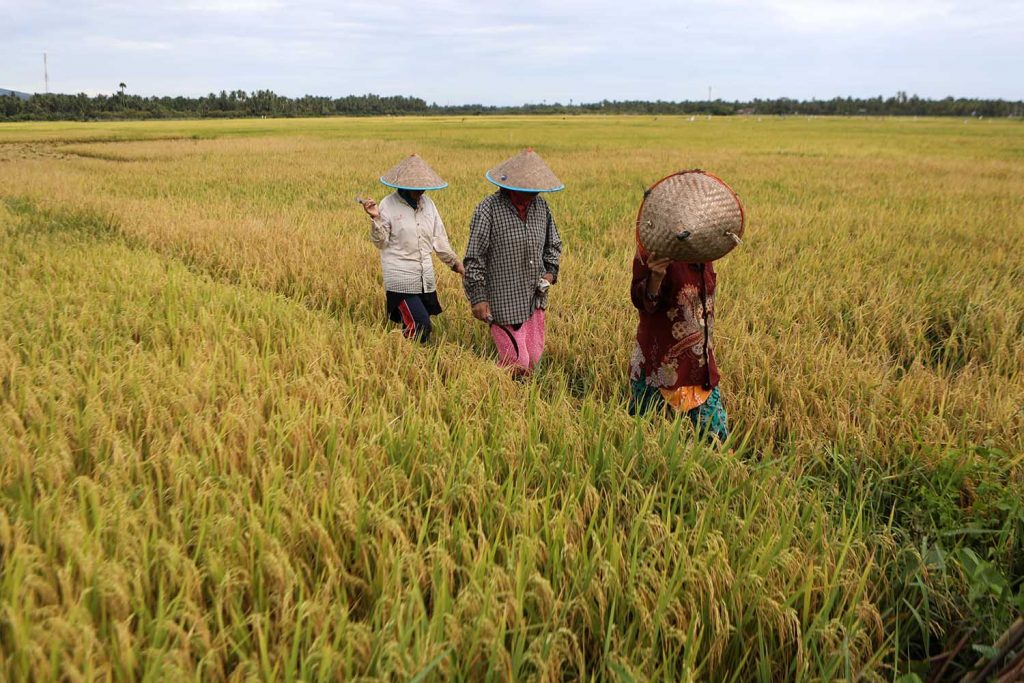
<point>266,103</point>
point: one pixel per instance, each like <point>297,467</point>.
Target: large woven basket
<point>689,216</point>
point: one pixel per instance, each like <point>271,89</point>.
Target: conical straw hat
<point>412,173</point>
<point>690,216</point>
<point>525,172</point>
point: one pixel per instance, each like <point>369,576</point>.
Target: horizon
<point>429,103</point>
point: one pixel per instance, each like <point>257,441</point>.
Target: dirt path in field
<point>65,149</point>
<point>19,151</point>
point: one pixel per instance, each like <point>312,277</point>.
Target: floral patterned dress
<point>673,361</point>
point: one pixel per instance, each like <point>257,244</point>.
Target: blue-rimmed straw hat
<point>525,172</point>
<point>412,173</point>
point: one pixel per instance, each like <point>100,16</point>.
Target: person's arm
<point>475,262</point>
<point>443,248</point>
<point>380,226</point>
<point>552,249</point>
<point>649,288</point>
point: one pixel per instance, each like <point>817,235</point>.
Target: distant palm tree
<point>122,86</point>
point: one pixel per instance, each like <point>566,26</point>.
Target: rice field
<point>218,461</point>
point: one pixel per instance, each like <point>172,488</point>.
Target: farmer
<point>407,229</point>
<point>686,221</point>
<point>512,259</point>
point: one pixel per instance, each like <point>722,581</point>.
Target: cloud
<point>229,6</point>
<point>119,44</point>
<point>816,15</point>
<point>496,53</point>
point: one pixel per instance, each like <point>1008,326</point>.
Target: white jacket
<point>406,238</point>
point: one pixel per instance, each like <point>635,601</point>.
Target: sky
<point>498,52</point>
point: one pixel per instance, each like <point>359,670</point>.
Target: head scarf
<point>406,195</point>
<point>520,200</point>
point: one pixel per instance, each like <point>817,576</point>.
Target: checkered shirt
<point>507,256</point>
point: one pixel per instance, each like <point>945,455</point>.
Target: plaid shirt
<point>507,256</point>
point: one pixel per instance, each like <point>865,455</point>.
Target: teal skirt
<point>709,418</point>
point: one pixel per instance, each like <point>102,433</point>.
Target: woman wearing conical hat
<point>407,229</point>
<point>686,221</point>
<point>512,259</point>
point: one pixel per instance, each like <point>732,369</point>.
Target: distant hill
<point>22,95</point>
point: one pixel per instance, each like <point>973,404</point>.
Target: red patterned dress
<point>673,361</point>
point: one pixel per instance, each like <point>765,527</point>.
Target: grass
<point>219,463</point>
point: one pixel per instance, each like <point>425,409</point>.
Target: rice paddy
<point>218,461</point>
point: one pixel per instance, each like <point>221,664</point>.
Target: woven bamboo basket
<point>690,216</point>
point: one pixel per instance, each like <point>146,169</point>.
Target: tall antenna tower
<point>46,76</point>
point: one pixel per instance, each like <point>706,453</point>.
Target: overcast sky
<point>505,52</point>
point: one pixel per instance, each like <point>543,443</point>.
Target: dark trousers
<point>412,312</point>
<point>415,319</point>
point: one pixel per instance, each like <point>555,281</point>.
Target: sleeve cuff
<point>476,294</point>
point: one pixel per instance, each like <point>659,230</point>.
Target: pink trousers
<point>530,339</point>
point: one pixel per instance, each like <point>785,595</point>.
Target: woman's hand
<point>482,311</point>
<point>658,265</point>
<point>370,207</point>
<point>459,268</point>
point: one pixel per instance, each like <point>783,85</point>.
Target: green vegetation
<point>218,461</point>
<point>266,103</point>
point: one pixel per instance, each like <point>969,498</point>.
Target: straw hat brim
<point>523,189</point>
<point>410,187</point>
